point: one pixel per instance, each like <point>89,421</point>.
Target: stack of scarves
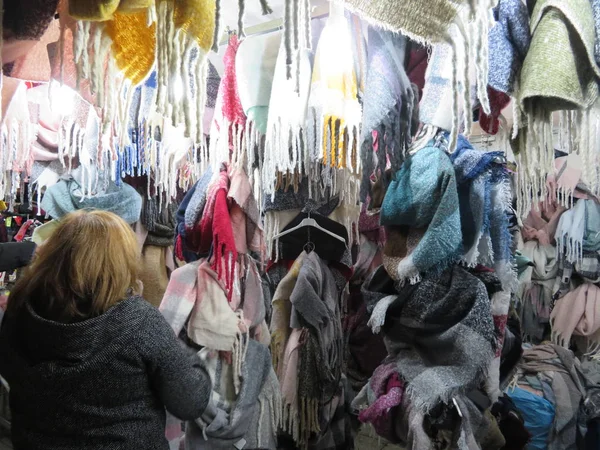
<point>307,347</point>
<point>578,314</point>
<point>555,373</point>
<point>439,332</point>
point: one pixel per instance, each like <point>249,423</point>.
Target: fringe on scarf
<point>535,160</point>
<point>296,18</point>
<point>177,70</point>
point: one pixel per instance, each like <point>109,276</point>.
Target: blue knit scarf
<point>424,196</point>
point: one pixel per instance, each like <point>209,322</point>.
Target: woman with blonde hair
<point>89,363</point>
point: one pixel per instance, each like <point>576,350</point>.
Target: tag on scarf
<point>240,444</point>
<point>457,408</point>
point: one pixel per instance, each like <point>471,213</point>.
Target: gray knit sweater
<point>103,383</point>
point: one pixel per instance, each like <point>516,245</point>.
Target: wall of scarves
<point>312,216</point>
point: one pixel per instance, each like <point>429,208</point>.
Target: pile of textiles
<point>431,391</point>
<point>549,388</point>
<point>216,303</point>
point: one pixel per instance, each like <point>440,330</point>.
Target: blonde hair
<point>87,266</point>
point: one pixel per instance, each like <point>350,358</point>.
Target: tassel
<point>265,7</point>
<point>215,46</point>
<point>241,12</point>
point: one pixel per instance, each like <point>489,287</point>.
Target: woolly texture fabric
<point>66,196</point>
<point>424,196</point>
<point>148,372</point>
<point>440,333</point>
<point>578,314</point>
<point>229,121</point>
<point>334,112</point>
<point>578,230</point>
<point>255,66</point>
<point>388,107</point>
<point>286,124</point>
<point>248,419</point>
<point>572,74</point>
<point>133,44</point>
<point>508,43</point>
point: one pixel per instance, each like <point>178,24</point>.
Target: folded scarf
<point>68,196</point>
<point>541,223</point>
<point>577,314</point>
<point>474,187</point>
<point>424,196</point>
<point>440,332</point>
<point>535,288</point>
<point>315,306</point>
<point>579,230</point>
<point>387,107</point>
<point>286,125</point>
<point>382,394</point>
<point>334,111</point>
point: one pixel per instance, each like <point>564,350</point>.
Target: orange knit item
<point>133,44</point>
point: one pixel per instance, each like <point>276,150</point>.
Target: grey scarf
<point>440,332</point>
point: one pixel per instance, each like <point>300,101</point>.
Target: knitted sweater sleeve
<point>176,373</point>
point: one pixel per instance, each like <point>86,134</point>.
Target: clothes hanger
<point>309,222</point>
<point>427,133</point>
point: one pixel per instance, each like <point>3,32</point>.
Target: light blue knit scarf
<point>423,195</point>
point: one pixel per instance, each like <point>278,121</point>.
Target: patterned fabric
<point>588,269</point>
<point>450,312</point>
<point>424,196</point>
<point>388,106</point>
<point>508,42</point>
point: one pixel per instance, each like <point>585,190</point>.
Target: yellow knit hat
<point>133,44</point>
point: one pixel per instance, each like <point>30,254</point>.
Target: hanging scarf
<point>229,120</point>
<point>439,332</point>
<point>424,197</point>
<point>216,231</point>
<point>286,125</point>
<point>334,114</point>
<point>255,67</point>
<point>388,106</point>
<point>579,230</point>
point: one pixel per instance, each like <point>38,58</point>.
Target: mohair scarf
<point>440,332</point>
<point>334,111</point>
<point>424,196</point>
<point>68,195</point>
<point>248,419</point>
<point>216,231</point>
<point>379,399</point>
<point>579,230</point>
<point>388,105</point>
<point>226,134</point>
<point>535,288</point>
<point>430,23</point>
